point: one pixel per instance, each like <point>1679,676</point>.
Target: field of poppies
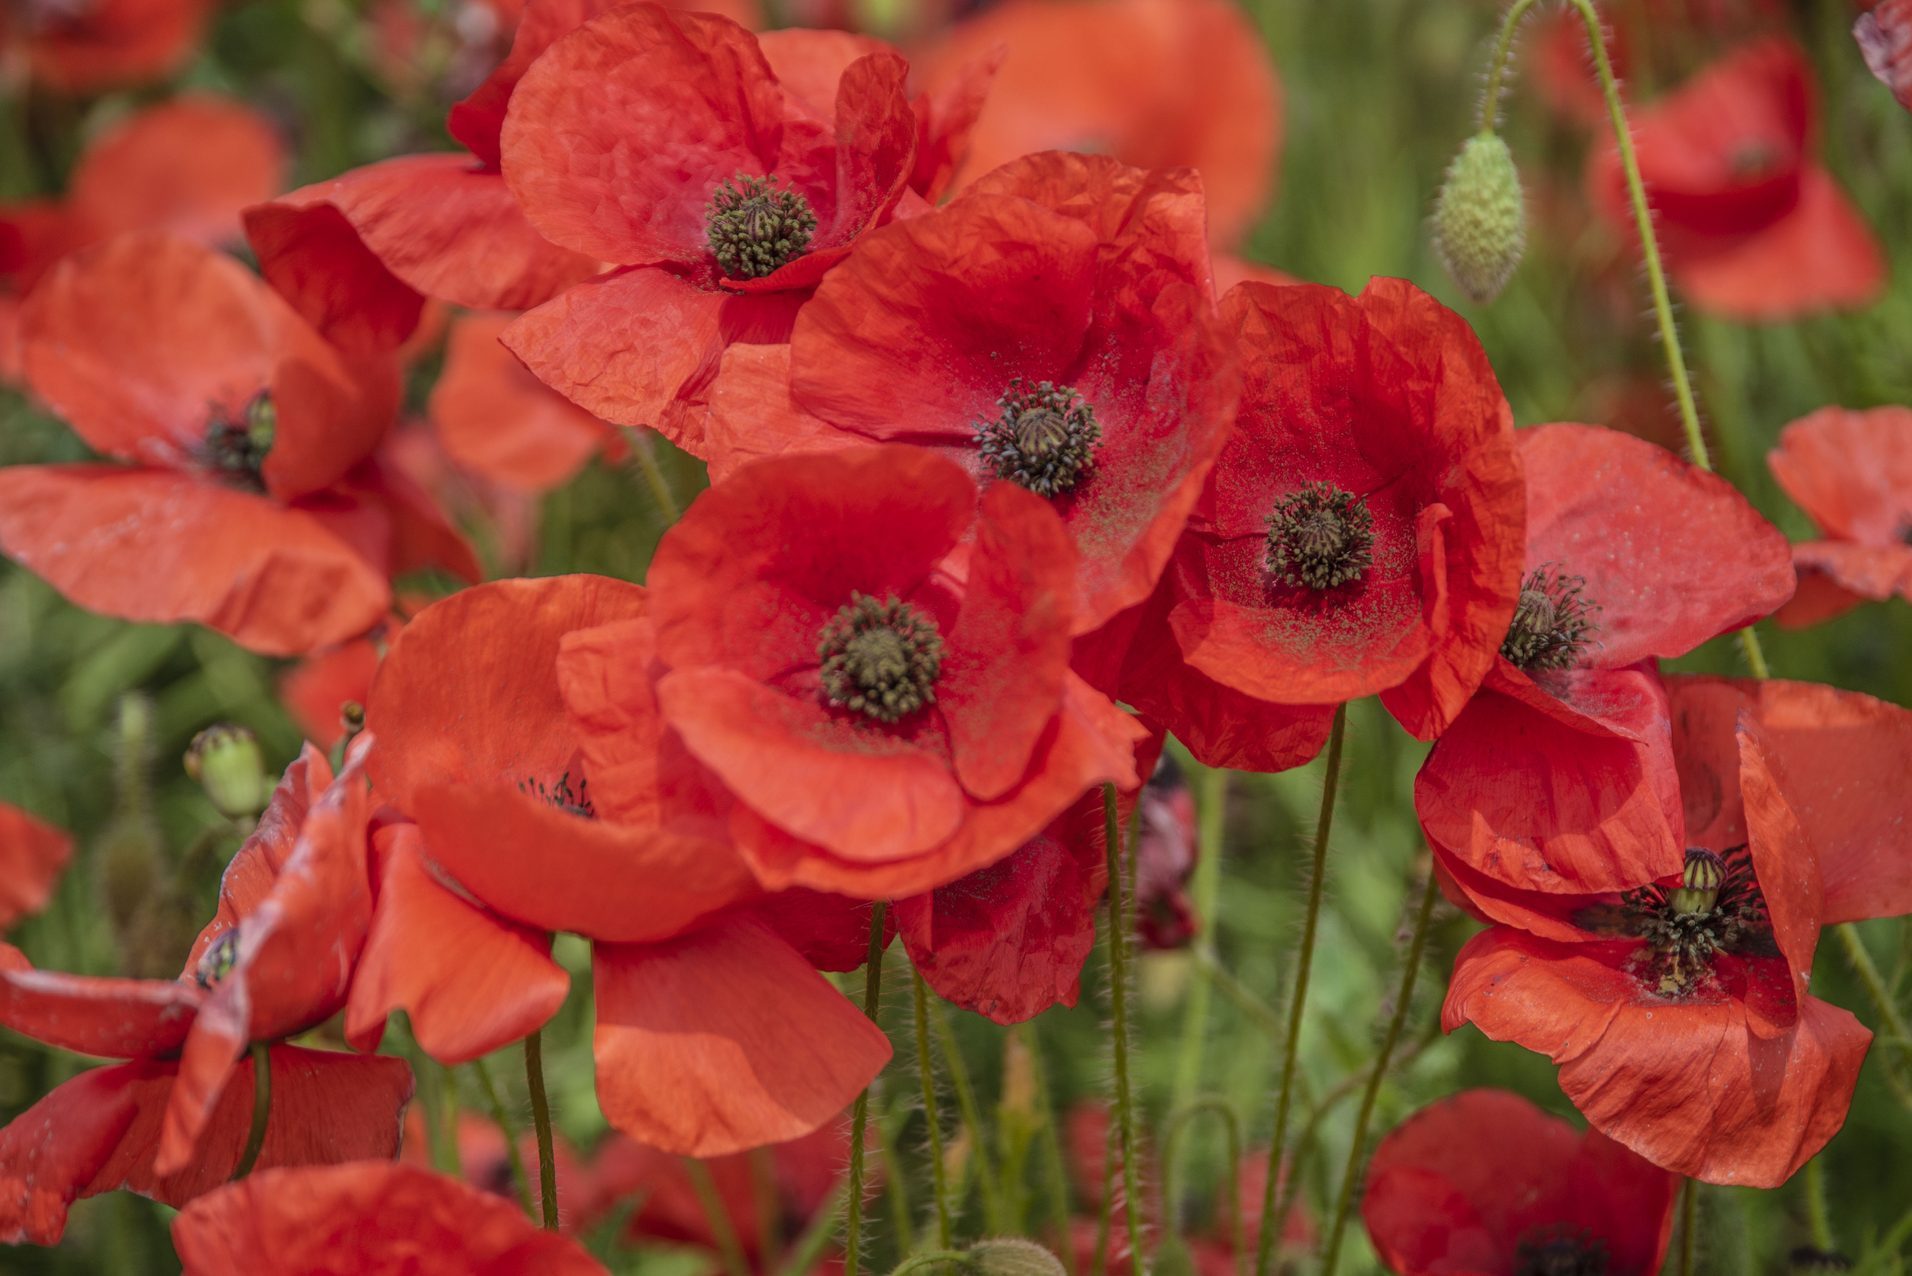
<point>963,637</point>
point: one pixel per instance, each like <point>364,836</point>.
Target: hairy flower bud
<point>1003,1256</point>
<point>226,762</point>
<point>1480,219</point>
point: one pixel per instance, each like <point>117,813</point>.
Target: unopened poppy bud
<point>226,763</point>
<point>1700,883</point>
<point>1007,1257</point>
<point>1480,219</point>
<point>1805,1259</point>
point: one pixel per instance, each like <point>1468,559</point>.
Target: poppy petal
<point>498,421</point>
<point>186,166</point>
<point>468,981</point>
<point>32,855</point>
<point>1820,255</point>
<point>725,1040</point>
<point>155,546</point>
<point>1850,471</point>
<point>366,1217</point>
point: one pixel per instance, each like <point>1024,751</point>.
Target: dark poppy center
<point>218,960</point>
<point>880,659</point>
<point>1043,438</point>
<point>1553,621</point>
<point>1560,1254</point>
<point>573,798</point>
<point>237,448</point>
<point>1320,537</point>
<point>754,228</point>
<point>1716,908</point>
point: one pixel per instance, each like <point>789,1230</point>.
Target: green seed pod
<point>1005,1257</point>
<point>226,762</point>
<point>1480,219</point>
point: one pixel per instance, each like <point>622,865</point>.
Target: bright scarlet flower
<point>1884,34</point>
<point>366,1216</point>
<point>498,421</point>
<point>104,44</point>
<point>32,855</point>
<point>1752,226</point>
<point>1852,473</point>
<point>1155,83</point>
<point>1360,533</point>
<point>275,960</point>
<point>1678,1010</point>
<point>718,195</point>
<point>714,1033</point>
<point>1077,356</point>
<point>242,495</point>
<point>1483,1183</point>
<point>827,626</point>
<point>359,254</point>
<point>1556,780</point>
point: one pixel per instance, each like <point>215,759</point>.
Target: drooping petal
<point>724,1040</point>
<point>366,1217</point>
<point>154,546</point>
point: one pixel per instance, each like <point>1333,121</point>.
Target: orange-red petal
<point>500,422</point>
<point>32,855</point>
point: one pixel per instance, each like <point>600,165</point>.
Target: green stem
<point>541,1119</point>
<point>971,1113</point>
<point>502,1120</point>
<point>860,1115</point>
<point>1649,243</point>
<point>932,1115</point>
<point>1689,1221</point>
<point>261,1110</point>
<point>1231,1133</point>
<point>1211,800</point>
<point>644,453</point>
<point>1860,959</point>
<point>1298,1000</point>
<point>717,1216</point>
<point>1053,1169</point>
<point>1817,1219</point>
<point>1119,1004</point>
<point>933,1258</point>
<point>803,1256</point>
<point>1403,1003</point>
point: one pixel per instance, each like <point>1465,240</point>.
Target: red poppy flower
<point>246,502</point>
<point>317,689</point>
<point>1009,941</point>
<point>32,855</point>
<point>1852,473</point>
<point>1884,34</point>
<point>1165,854</point>
<point>501,423</point>
<point>1077,357</point>
<point>718,195</point>
<point>105,44</point>
<point>1557,779</point>
<point>1361,530</point>
<point>1678,1011</point>
<point>367,1216</point>
<point>826,624</point>
<point>274,961</point>
<point>1154,83</point>
<point>358,255</point>
<point>714,1033</point>
<point>1752,226</point>
<point>1483,1183</point>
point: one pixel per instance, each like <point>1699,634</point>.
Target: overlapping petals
<point>1852,473</point>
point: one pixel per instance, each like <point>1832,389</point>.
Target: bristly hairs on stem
<point>860,1114</point>
<point>1119,924</point>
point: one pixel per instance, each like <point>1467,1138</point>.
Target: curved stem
<point>541,1119</point>
<point>1231,1132</point>
<point>261,1110</point>
<point>1817,1219</point>
<point>1211,798</point>
<point>1403,1002</point>
<point>926,1073</point>
<point>1119,1003</point>
<point>971,1113</point>
<point>1862,964</point>
<point>732,1250</point>
<point>1298,1000</point>
<point>1053,1171</point>
<point>502,1119</point>
<point>1689,1217</point>
<point>860,1115</point>
<point>933,1258</point>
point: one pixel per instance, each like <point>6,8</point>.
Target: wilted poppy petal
<point>99,1132</point>
<point>151,545</point>
<point>469,982</point>
<point>500,422</point>
<point>1685,1083</point>
<point>32,853</point>
<point>366,1217</point>
<point>724,1040</point>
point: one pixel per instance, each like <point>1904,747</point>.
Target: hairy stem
<point>1119,1004</point>
<point>860,1115</point>
<point>932,1115</point>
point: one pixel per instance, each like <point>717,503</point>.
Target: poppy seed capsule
<point>880,659</point>
<point>1321,537</point>
<point>1044,439</point>
<point>1698,891</point>
<point>1480,219</point>
<point>225,761</point>
<point>754,228</point>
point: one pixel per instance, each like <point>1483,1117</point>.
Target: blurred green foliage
<point>1379,95</point>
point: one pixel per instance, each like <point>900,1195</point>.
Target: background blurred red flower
<point>1483,1183</point>
<point>1884,33</point>
<point>1852,473</point>
<point>32,855</point>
